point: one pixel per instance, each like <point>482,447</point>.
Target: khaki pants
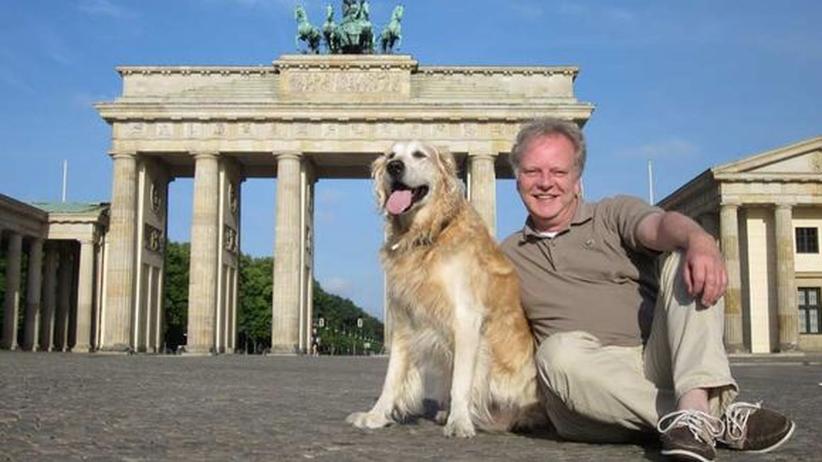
<point>598,393</point>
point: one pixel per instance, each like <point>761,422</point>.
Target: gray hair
<point>547,126</point>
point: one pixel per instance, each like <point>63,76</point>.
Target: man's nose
<point>545,181</point>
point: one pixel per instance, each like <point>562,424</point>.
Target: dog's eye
<point>418,155</point>
<point>391,156</point>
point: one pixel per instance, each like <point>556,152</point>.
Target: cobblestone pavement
<point>98,407</point>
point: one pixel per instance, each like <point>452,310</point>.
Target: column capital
<point>784,205</point>
<point>730,204</point>
<point>197,155</point>
<point>482,155</point>
<point>285,155</point>
<point>117,154</point>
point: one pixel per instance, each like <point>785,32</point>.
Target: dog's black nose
<point>395,168</point>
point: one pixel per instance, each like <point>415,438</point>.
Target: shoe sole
<point>683,454</point>
<point>778,443</point>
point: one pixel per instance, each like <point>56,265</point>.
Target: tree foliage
<point>339,333</point>
<point>175,297</point>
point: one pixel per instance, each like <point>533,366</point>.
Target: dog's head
<point>410,176</point>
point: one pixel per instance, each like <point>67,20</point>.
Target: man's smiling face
<point>548,180</point>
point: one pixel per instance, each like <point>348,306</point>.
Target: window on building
<point>810,312</point>
<point>807,240</point>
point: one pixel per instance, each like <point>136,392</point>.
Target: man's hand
<point>704,269</point>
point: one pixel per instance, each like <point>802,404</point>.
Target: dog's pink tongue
<point>398,202</point>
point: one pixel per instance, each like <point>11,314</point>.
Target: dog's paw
<point>368,420</point>
<point>441,417</point>
<point>459,428</point>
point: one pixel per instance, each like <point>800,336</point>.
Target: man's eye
<point>418,155</point>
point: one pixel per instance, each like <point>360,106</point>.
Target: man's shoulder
<point>619,200</point>
<point>510,243</point>
<point>621,205</point>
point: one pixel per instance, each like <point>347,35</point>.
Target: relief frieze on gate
<point>309,130</point>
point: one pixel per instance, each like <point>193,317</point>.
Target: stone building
<point>766,211</point>
<point>302,119</point>
<point>61,247</point>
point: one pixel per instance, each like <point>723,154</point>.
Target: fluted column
<point>285,319</point>
<point>49,299</point>
<point>11,303</point>
<point>33,292</point>
<point>120,282</point>
<point>85,297</point>
<point>202,287</point>
<point>61,323</point>
<point>729,239</point>
<point>787,309</point>
<point>483,188</point>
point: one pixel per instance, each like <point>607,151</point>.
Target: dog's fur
<point>454,301</point>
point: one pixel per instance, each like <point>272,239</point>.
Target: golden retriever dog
<point>454,301</point>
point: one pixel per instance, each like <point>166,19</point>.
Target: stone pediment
<point>800,159</point>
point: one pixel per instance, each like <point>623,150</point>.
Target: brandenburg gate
<point>302,119</point>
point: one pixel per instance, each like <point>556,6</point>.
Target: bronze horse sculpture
<point>306,32</point>
<point>391,36</point>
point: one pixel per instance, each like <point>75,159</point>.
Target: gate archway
<point>303,119</point>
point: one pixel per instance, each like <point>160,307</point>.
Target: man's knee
<point>564,355</point>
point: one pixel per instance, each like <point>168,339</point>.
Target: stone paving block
<point>70,407</point>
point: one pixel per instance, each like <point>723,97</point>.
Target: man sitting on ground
<point>623,347</point>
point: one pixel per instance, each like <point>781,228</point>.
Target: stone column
<point>202,287</point>
<point>61,323</point>
<point>121,259</point>
<point>49,300</point>
<point>483,188</point>
<point>787,309</point>
<point>285,319</point>
<point>33,294</point>
<point>729,241</point>
<point>11,305</point>
<point>85,297</point>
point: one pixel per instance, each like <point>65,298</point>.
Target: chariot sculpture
<point>353,35</point>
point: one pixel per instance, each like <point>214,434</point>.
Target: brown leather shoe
<point>689,435</point>
<point>750,427</point>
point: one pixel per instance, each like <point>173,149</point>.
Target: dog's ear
<point>377,172</point>
<point>446,160</point>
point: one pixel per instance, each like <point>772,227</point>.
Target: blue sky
<point>687,84</point>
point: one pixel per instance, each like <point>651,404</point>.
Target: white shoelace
<point>703,426</point>
<point>736,419</point>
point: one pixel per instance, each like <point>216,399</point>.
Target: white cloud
<point>528,10</point>
<point>105,8</point>
<point>338,285</point>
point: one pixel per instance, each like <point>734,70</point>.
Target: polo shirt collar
<point>583,213</point>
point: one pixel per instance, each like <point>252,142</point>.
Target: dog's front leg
<point>467,327</point>
<point>400,373</point>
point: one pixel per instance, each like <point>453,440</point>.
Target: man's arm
<point>704,270</point>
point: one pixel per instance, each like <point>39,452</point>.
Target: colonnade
<point>787,309</point>
<point>213,273</point>
<point>59,283</point>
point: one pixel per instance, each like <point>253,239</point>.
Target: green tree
<point>340,333</point>
<point>254,316</point>
<point>176,293</point>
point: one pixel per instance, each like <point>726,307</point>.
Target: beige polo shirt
<point>594,276</point>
